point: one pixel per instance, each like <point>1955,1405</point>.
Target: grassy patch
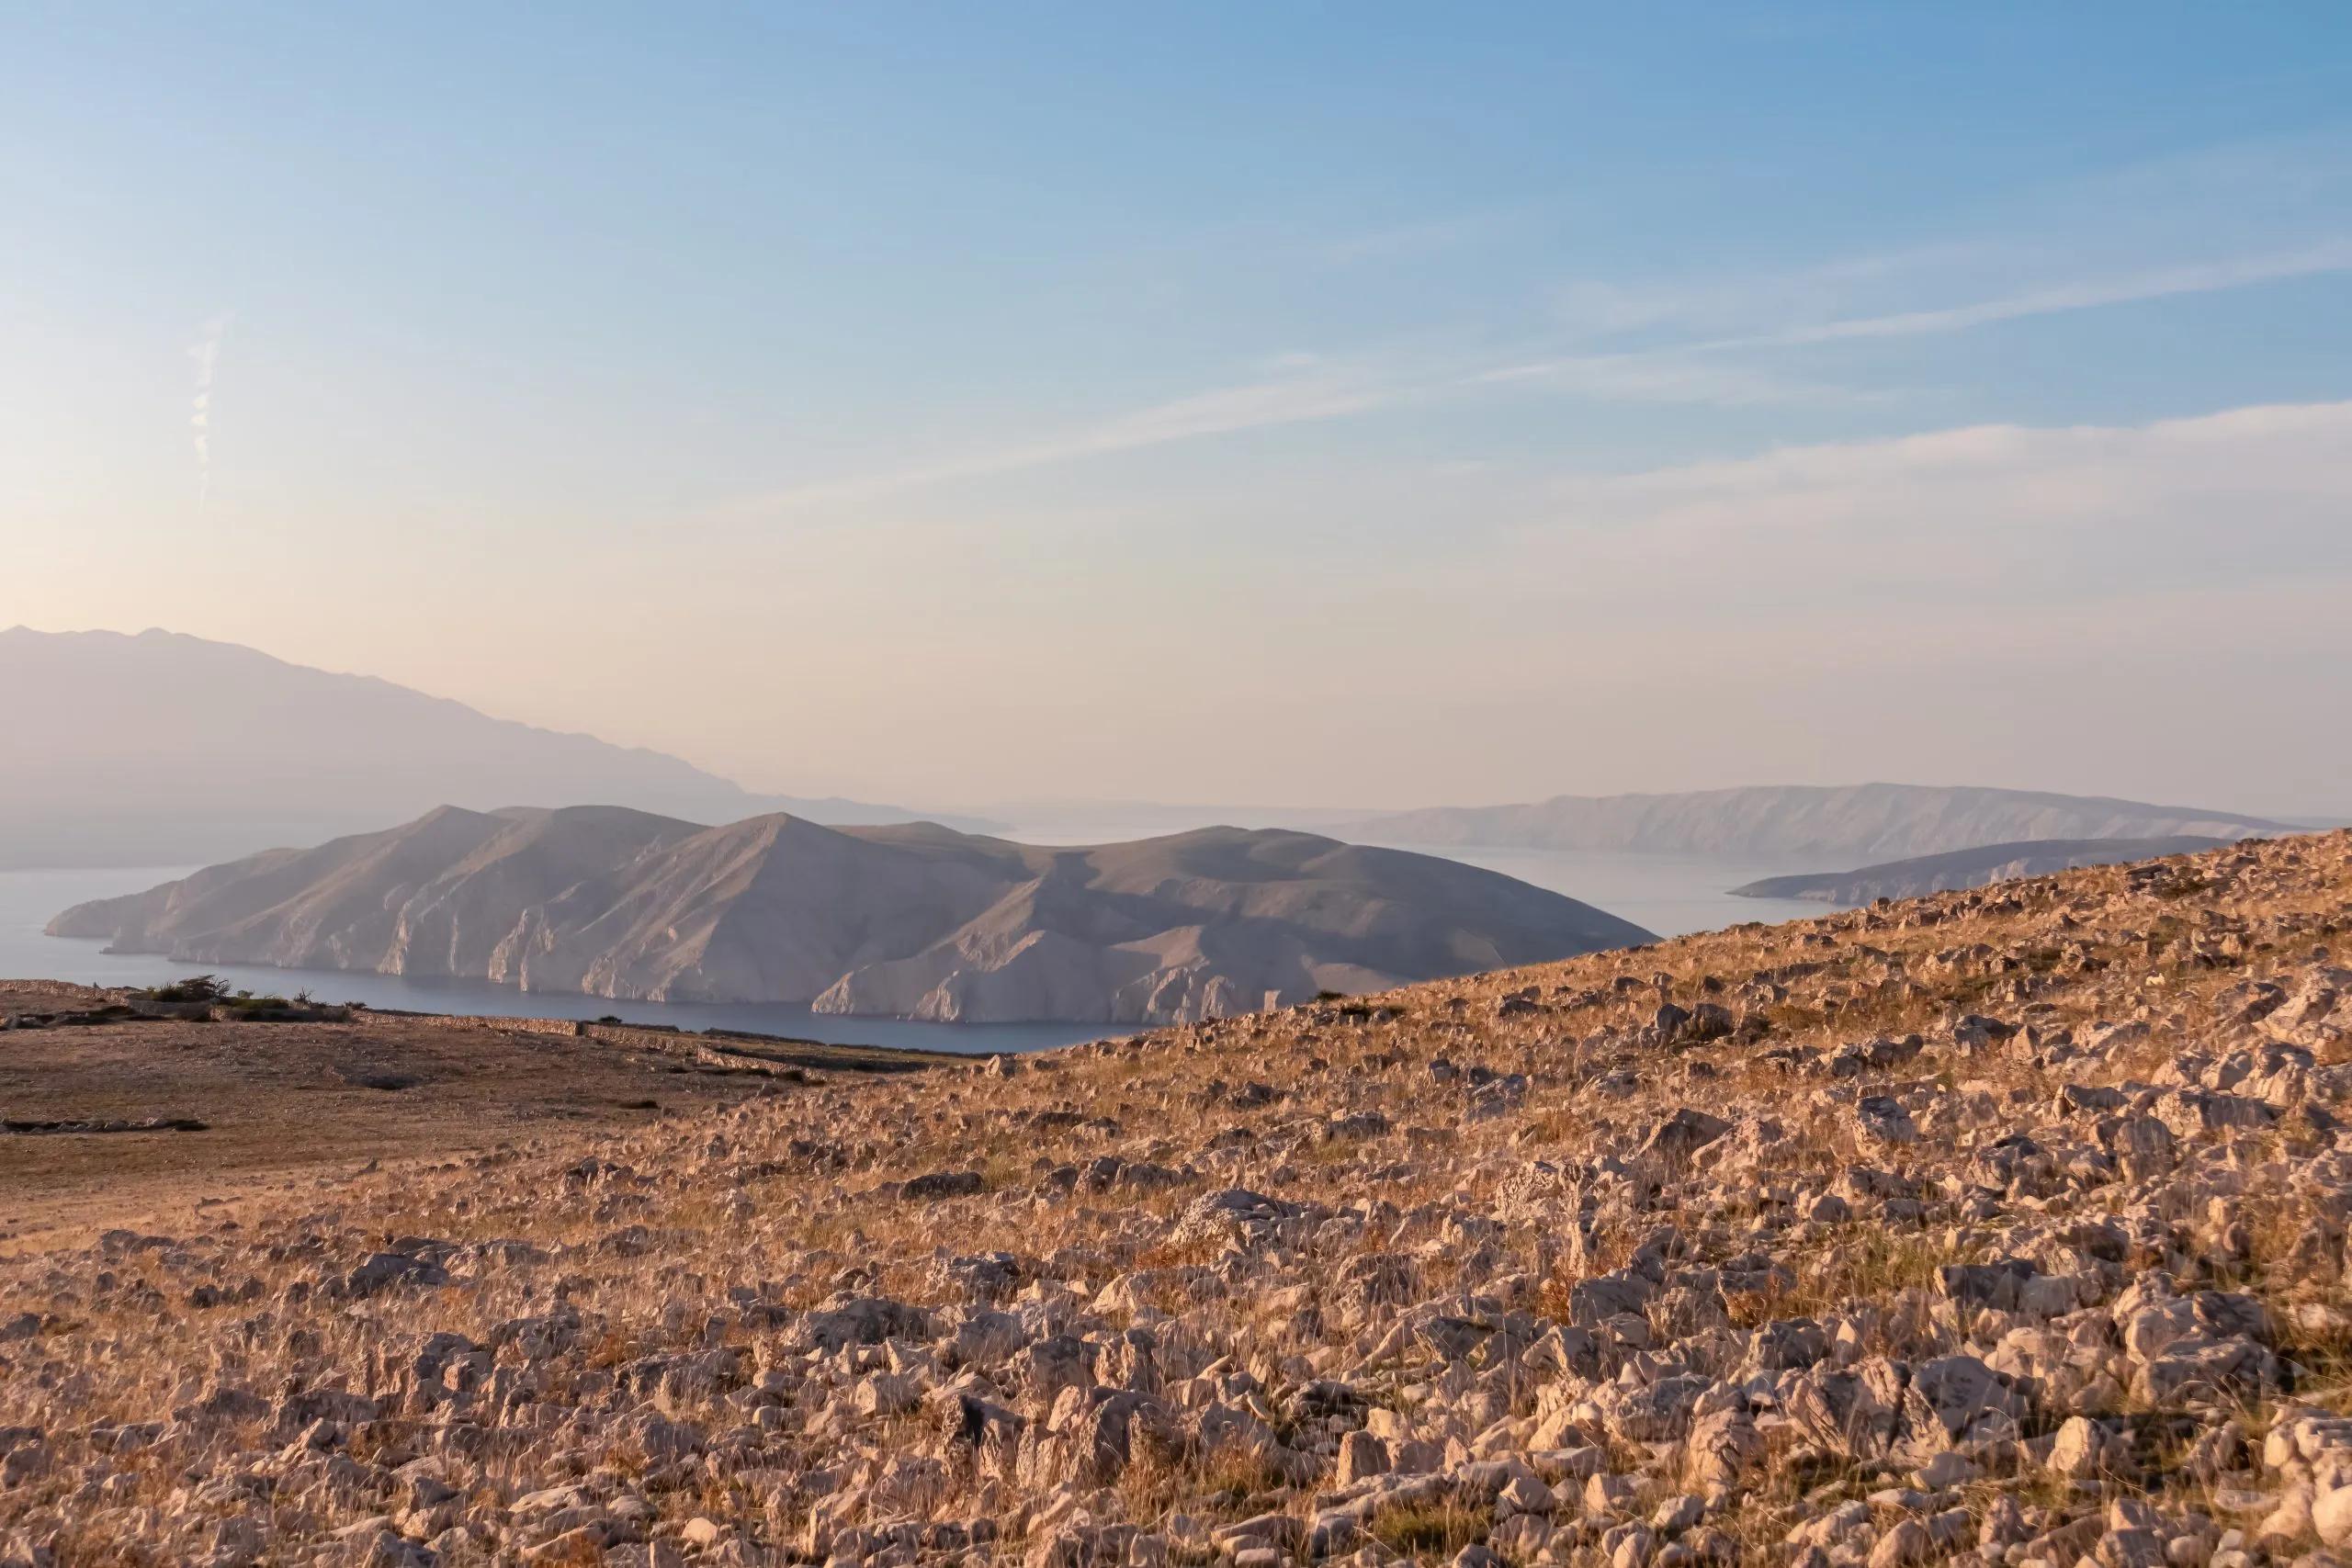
<point>1428,1529</point>
<point>1874,1264</point>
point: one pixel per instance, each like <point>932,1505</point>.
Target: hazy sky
<point>1363,405</point>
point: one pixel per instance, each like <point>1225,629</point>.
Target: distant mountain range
<point>916,921</point>
<point>1969,868</point>
<point>160,749</point>
<point>163,749</point>
<point>1851,823</point>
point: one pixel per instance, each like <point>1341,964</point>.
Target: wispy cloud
<point>206,354</point>
<point>1720,368</point>
<point>2084,294</point>
<point>1666,376</point>
<point>1987,516</point>
<point>1305,389</point>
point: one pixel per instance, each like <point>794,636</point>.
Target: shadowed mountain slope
<point>913,920</point>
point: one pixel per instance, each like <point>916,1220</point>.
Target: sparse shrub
<point>194,989</point>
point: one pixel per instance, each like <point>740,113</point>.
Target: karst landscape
<point>1196,786</point>
<point>2003,1226</point>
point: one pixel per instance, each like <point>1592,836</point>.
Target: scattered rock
<point>1929,1231</point>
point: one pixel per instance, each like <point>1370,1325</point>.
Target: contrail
<point>205,353</point>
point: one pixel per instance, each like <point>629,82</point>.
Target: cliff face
<point>914,920</point>
<point>1855,823</point>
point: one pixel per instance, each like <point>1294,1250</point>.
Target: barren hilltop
<point>1994,1227</point>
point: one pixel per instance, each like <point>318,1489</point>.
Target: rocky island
<point>915,921</point>
<point>1975,867</point>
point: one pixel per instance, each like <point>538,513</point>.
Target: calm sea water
<point>1671,895</point>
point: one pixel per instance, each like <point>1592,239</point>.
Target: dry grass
<point>744,1229</point>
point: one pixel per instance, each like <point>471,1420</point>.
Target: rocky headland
<point>1967,868</point>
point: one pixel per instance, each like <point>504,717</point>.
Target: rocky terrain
<point>1993,1227</point>
<point>914,921</point>
<point>1853,823</point>
<point>1967,868</point>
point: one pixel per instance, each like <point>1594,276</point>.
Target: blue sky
<point>957,402</point>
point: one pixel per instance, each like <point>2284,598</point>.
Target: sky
<point>1312,405</point>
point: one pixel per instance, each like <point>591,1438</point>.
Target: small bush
<point>194,989</point>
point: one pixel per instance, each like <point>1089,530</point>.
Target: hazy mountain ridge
<point>913,920</point>
<point>1861,822</point>
<point>1925,874</point>
<point>164,749</point>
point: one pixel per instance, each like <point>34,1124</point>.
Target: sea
<point>1670,895</point>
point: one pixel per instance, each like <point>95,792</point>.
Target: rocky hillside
<point>1987,1228</point>
<point>1967,868</point>
<point>914,922</point>
<point>1848,825</point>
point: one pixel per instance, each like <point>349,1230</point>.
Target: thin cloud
<point>2314,261</point>
<point>206,354</point>
<point>1716,371</point>
<point>1313,393</point>
<point>1952,522</point>
<point>1317,389</point>
<point>1668,376</point>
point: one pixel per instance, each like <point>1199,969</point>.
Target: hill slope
<point>1988,1226</point>
<point>915,921</point>
<point>1857,822</point>
<point>161,749</point>
<point>1923,875</point>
